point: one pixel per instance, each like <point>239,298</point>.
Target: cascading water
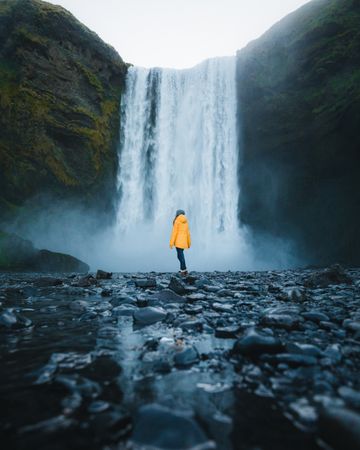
<point>179,149</point>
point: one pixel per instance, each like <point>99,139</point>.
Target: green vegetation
<point>59,112</point>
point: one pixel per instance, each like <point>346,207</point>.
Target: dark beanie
<point>180,211</point>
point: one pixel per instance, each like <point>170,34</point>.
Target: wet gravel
<point>226,360</point>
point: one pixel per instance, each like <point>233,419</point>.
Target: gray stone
<point>149,315</point>
<point>103,275</point>
<point>158,427</point>
<point>315,316</point>
<point>229,332</point>
<point>186,357</point>
<point>255,344</point>
<point>340,428</point>
<point>169,296</point>
<point>177,286</point>
<point>146,283</point>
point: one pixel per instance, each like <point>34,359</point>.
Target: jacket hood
<point>181,218</point>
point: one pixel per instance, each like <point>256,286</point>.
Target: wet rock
<point>114,423</point>
<point>11,320</point>
<point>7,319</point>
<point>333,352</point>
<point>225,293</point>
<point>315,316</point>
<point>304,349</point>
<point>229,332</point>
<point>192,325</point>
<point>156,426</point>
<point>168,296</point>
<point>146,283</point>
<point>196,296</point>
<point>193,309</point>
<point>55,424</point>
<point>149,315</point>
<point>47,281</point>
<point>303,411</point>
<point>254,344</point>
<point>86,281</point>
<point>351,325</point>
<point>177,286</point>
<point>103,275</point>
<point>98,406</point>
<point>79,305</point>
<point>294,295</point>
<point>292,360</point>
<point>351,396</point>
<point>124,310</point>
<point>106,292</point>
<point>186,357</point>
<point>332,275</point>
<point>340,428</point>
<point>286,321</point>
<point>222,307</point>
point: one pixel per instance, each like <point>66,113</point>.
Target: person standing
<point>180,238</point>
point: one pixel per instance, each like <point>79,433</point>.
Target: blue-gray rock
<point>285,321</point>
<point>340,428</point>
<point>223,307</point>
<point>146,283</point>
<point>123,310</point>
<point>186,357</point>
<point>291,359</point>
<point>12,320</point>
<point>103,275</point>
<point>229,332</point>
<point>255,344</point>
<point>177,286</point>
<point>47,281</point>
<point>168,296</point>
<point>304,349</point>
<point>332,275</point>
<point>315,316</point>
<point>158,427</point>
<point>195,325</point>
<point>351,396</point>
<point>149,315</point>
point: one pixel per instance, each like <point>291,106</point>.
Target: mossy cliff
<point>299,116</point>
<point>60,88</point>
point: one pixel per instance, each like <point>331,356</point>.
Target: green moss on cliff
<point>59,106</point>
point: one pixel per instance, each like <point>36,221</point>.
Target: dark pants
<point>181,258</point>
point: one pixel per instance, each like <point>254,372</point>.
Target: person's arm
<point>174,234</point>
<point>189,238</point>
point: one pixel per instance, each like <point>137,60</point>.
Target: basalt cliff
<point>299,116</point>
<point>60,86</point>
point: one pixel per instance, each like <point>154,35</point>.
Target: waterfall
<point>179,150</point>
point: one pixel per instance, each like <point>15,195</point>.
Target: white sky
<point>178,33</point>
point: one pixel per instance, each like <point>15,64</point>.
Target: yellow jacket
<point>180,236</point>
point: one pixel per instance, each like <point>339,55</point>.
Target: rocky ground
<point>242,360</point>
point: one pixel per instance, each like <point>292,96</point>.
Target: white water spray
<point>179,149</point>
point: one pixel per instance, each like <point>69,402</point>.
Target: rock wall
<point>60,86</point>
<point>299,110</point>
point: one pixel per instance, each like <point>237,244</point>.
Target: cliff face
<point>299,110</point>
<point>60,87</point>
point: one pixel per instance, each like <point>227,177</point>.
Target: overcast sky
<point>178,33</point>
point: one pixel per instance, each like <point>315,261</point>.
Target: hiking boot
<point>184,273</point>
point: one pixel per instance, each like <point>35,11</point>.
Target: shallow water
<point>76,377</point>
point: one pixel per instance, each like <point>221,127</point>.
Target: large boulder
<point>158,427</point>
